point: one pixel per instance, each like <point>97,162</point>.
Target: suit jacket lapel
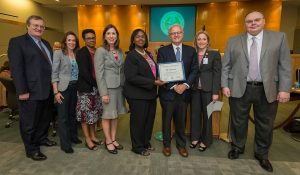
<point>172,54</point>
<point>244,45</point>
<point>31,41</point>
<point>264,45</point>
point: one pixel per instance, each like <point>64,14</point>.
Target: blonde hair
<point>196,36</point>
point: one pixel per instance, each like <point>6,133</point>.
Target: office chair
<point>11,99</point>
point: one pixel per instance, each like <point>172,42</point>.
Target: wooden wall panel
<point>221,20</point>
<point>125,18</point>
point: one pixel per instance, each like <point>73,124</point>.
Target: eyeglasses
<point>90,38</point>
<point>175,33</point>
<point>253,21</point>
<point>36,26</point>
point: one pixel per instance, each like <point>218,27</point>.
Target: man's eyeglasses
<point>175,33</point>
<point>253,21</point>
<point>35,26</point>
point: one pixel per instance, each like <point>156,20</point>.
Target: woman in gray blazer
<point>64,79</point>
<point>204,90</point>
<point>109,67</point>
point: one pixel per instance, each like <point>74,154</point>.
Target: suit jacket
<point>139,79</point>
<point>210,73</point>
<point>86,82</point>
<point>275,65</point>
<point>31,69</point>
<point>190,62</point>
<point>109,71</point>
<point>61,70</point>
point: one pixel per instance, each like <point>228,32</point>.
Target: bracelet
<point>56,93</point>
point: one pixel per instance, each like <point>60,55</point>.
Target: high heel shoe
<point>119,147</point>
<point>113,151</point>
<point>93,148</point>
<point>99,142</point>
<point>193,145</point>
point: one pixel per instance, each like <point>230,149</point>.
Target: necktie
<point>253,67</point>
<point>43,50</point>
<point>178,54</point>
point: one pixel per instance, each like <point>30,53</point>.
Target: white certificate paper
<point>171,72</point>
<point>214,106</point>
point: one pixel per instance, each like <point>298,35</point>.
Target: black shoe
<point>113,151</point>
<point>38,156</point>
<point>68,151</point>
<point>93,148</point>
<point>265,164</point>
<point>97,142</point>
<point>234,154</point>
<point>119,147</point>
<point>77,141</point>
<point>49,143</point>
<point>193,145</point>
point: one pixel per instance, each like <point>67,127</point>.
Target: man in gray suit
<point>256,71</point>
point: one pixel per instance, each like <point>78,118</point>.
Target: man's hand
<point>24,96</point>
<point>180,88</point>
<point>283,97</point>
<point>226,91</point>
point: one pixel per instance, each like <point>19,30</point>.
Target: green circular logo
<point>170,19</point>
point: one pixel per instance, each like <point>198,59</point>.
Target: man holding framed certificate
<point>178,65</point>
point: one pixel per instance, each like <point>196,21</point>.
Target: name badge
<point>205,60</point>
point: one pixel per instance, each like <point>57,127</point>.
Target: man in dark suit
<point>174,97</point>
<point>256,71</point>
<point>30,58</point>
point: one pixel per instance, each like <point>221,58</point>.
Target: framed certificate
<point>170,72</point>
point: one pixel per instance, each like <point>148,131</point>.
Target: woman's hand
<point>105,99</point>
<point>215,97</point>
<point>59,98</point>
<point>159,82</point>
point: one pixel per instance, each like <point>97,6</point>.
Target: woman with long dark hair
<point>64,82</point>
<point>109,68</point>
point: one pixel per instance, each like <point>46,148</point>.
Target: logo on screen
<point>169,19</point>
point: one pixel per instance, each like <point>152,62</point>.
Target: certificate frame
<point>171,71</point>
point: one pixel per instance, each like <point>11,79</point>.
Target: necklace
<point>142,53</point>
<point>113,51</point>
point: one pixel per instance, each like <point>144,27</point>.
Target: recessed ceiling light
<point>57,0</point>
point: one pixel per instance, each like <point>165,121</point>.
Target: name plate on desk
<point>171,72</point>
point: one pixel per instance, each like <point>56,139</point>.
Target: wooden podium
<point>216,121</point>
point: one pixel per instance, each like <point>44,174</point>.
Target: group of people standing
<point>90,83</point>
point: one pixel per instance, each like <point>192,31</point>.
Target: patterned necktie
<point>43,50</point>
<point>253,67</point>
<point>178,54</point>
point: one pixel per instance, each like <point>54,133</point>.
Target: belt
<point>72,82</point>
<point>255,83</point>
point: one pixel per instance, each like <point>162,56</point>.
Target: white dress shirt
<point>258,38</point>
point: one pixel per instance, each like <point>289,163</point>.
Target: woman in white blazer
<point>109,67</point>
<point>64,79</point>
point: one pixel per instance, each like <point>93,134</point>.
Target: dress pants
<point>201,126</point>
<point>141,123</point>
<point>35,118</point>
<point>175,109</point>
<point>264,115</point>
<point>67,126</point>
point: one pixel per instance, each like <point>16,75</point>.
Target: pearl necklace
<point>141,52</point>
